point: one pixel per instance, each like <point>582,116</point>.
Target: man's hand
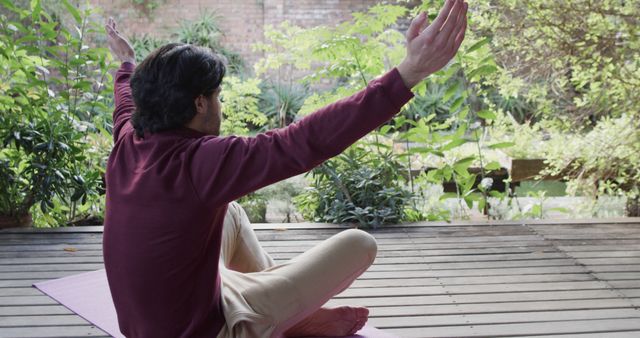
<point>431,47</point>
<point>119,46</point>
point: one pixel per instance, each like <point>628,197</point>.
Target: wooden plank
<point>460,304</point>
<point>606,254</point>
<point>610,261</point>
<point>48,320</point>
<point>50,267</point>
<point>52,331</point>
<point>620,334</point>
<point>67,259</point>
<point>34,310</point>
<point>491,269</point>
<point>479,264</point>
<point>523,329</point>
<point>625,284</point>
<point>597,247</point>
<point>472,289</point>
<point>28,254</point>
<point>375,272</point>
<point>18,291</point>
<point>392,282</point>
<point>28,300</point>
<point>504,318</point>
<point>21,283</point>
<point>36,275</point>
<point>614,268</point>
<point>618,275</point>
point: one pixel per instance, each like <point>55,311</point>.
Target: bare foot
<point>331,322</point>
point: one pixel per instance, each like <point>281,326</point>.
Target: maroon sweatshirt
<point>167,195</point>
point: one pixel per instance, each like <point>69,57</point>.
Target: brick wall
<point>243,21</point>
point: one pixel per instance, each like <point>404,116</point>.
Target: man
<point>171,180</point>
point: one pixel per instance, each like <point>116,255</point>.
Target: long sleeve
<point>124,101</point>
<point>226,168</point>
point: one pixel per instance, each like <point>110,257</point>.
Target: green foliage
<point>240,106</point>
<point>281,103</point>
<point>54,91</point>
<point>353,52</point>
<point>602,161</point>
<point>576,60</point>
<point>145,44</point>
<point>147,7</point>
<point>255,205</point>
<point>358,186</point>
<point>203,31</point>
<point>279,196</point>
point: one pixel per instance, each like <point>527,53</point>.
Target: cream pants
<point>264,299</point>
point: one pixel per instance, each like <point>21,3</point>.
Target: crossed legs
<point>291,295</point>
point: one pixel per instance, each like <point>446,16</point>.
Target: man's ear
<point>201,104</point>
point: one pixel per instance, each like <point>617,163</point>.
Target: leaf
<point>536,210</point>
<point>463,113</point>
<point>502,145</point>
<point>385,129</point>
<point>497,194</point>
<point>8,4</point>
<point>486,115</point>
<point>492,165</point>
<point>447,172</point>
<point>481,204</point>
<point>36,8</point>
<point>560,209</point>
<point>453,144</point>
<point>448,195</point>
<point>468,184</point>
<point>482,71</point>
<point>469,201</point>
<point>451,91</point>
<point>456,104</point>
<point>73,11</point>
<point>461,167</point>
<point>478,44</point>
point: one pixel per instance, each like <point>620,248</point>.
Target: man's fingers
<point>460,37</point>
<point>442,16</point>
<point>452,21</point>
<point>416,25</point>
<point>460,22</point>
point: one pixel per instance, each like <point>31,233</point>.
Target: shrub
<point>358,186</point>
<point>54,94</point>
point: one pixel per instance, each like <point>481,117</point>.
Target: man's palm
<point>431,47</point>
<point>119,46</point>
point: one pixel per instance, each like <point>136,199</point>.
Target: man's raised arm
<point>225,168</point>
<point>123,51</point>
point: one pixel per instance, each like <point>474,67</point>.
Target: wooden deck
<point>568,278</point>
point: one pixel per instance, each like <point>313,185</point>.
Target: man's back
<point>161,243</point>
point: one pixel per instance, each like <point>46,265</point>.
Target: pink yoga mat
<point>88,295</point>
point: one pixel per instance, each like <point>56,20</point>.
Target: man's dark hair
<point>165,85</point>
